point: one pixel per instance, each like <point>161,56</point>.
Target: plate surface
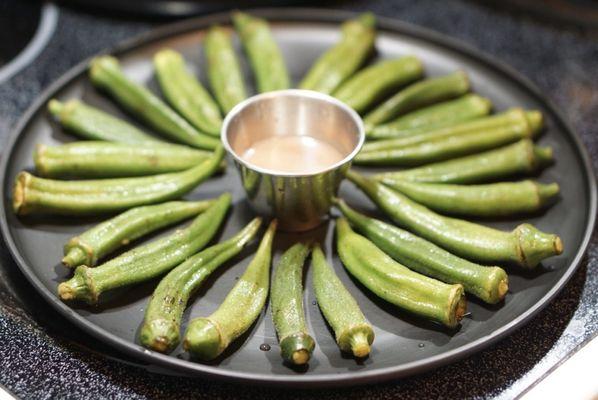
<point>404,345</point>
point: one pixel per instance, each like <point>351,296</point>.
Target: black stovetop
<point>44,356</point>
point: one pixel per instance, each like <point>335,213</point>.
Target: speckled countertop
<point>43,356</point>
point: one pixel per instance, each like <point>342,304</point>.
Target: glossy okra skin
<point>264,54</point>
<point>206,338</point>
<point>91,123</point>
<point>487,283</point>
<point>148,261</point>
<point>224,71</point>
<point>95,159</point>
<point>448,113</point>
<point>525,246</point>
<point>444,148</point>
<point>397,284</point>
<point>286,298</point>
<point>93,244</point>
<point>489,200</point>
<point>522,157</point>
<point>369,85</point>
<point>514,120</point>
<point>106,74</point>
<point>417,95</point>
<point>32,195</point>
<point>162,323</point>
<point>185,93</point>
<point>354,334</point>
<point>340,61</point>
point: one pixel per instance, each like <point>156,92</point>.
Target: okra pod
<point>185,93</point>
<point>288,315</point>
<point>517,158</point>
<point>39,195</point>
<point>93,159</point>
<point>106,74</point>
<point>397,284</point>
<point>264,54</point>
<point>514,118</point>
<point>92,123</point>
<point>525,246</point>
<point>354,334</point>
<point>102,239</point>
<point>340,61</point>
<point>448,113</point>
<point>162,323</point>
<point>148,261</point>
<point>445,147</point>
<point>487,283</point>
<point>371,84</point>
<point>419,94</point>
<point>206,338</point>
<point>489,200</point>
<point>224,71</point>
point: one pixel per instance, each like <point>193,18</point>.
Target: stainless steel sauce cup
<point>299,201</point>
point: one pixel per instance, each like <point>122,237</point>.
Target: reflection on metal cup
<point>300,199</point>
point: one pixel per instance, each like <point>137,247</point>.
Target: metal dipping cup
<point>299,201</point>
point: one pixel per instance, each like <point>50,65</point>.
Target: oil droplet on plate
<point>265,347</point>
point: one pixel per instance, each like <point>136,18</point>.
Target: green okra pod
<point>417,95</point>
<point>162,322</point>
<point>88,197</point>
<point>514,120</point>
<point>340,61</point>
<point>106,74</point>
<point>487,283</point>
<point>369,85</point>
<point>185,93</point>
<point>288,315</point>
<point>94,159</point>
<point>397,284</point>
<point>93,244</point>
<point>447,113</point>
<point>148,261</point>
<point>525,246</point>
<point>206,338</point>
<point>517,158</point>
<point>354,334</point>
<point>92,123</point>
<point>489,200</point>
<point>264,54</point>
<point>224,71</point>
<point>444,148</point>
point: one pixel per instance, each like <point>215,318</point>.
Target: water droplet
<point>265,347</point>
<point>421,345</point>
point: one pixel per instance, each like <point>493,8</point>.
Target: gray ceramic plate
<point>404,345</point>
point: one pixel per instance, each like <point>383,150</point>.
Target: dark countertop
<point>43,356</point>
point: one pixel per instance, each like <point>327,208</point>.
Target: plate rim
<point>351,378</point>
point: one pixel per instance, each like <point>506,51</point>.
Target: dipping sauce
<point>293,154</point>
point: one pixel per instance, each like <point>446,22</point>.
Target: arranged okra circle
<point>424,259</point>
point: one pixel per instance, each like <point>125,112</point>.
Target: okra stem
<point>102,239</point>
<point>207,338</point>
<point>517,158</point>
<point>147,261</point>
<point>185,93</point>
<point>525,246</point>
<point>419,94</point>
<point>490,200</point>
<point>397,284</point>
<point>354,334</point>
<point>488,283</point>
<point>162,323</point>
<point>264,54</point>
<point>106,74</point>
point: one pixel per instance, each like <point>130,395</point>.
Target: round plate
<point>404,345</point>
